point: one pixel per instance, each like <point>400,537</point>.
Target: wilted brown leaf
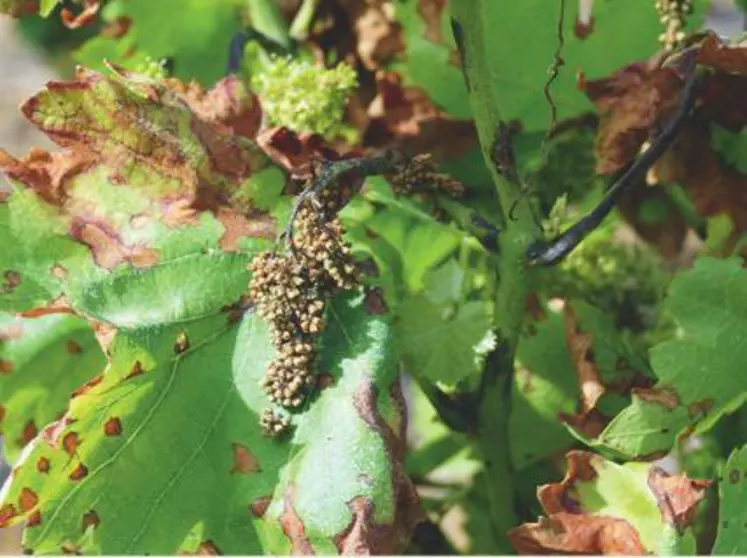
<point>574,524</point>
<point>631,102</point>
<point>713,186</point>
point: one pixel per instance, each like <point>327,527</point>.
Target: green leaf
<point>46,7</point>
<point>546,386</point>
<point>129,210</point>
<point>699,371</point>
<point>197,36</point>
<point>730,146</point>
<point>42,361</point>
<point>428,59</point>
<point>194,413</point>
<point>730,537</point>
<point>523,37</point>
<point>444,345</point>
<point>400,235</point>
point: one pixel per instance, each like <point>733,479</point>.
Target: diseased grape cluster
<point>290,291</point>
<point>673,14</point>
<point>418,175</point>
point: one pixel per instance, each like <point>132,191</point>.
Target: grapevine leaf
<point>368,505</point>
<point>197,37</point>
<point>145,195</point>
<point>574,370</point>
<point>404,236</point>
<point>730,538</point>
<point>730,146</point>
<point>46,7</point>
<point>545,388</point>
<point>698,372</point>
<point>42,361</point>
<point>601,507</point>
<point>631,102</point>
<point>522,72</point>
<point>430,59</point>
<point>444,344</point>
<point>188,393</point>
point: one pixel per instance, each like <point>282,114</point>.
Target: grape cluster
<point>290,291</point>
<point>673,14</point>
<point>419,175</point>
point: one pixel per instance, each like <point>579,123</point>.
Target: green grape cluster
<point>673,15</point>
<point>303,97</point>
<point>155,69</point>
<point>624,279</point>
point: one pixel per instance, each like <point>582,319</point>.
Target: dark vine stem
<point>547,253</point>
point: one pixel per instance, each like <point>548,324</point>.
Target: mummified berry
<point>420,175</point>
<point>273,423</point>
<point>290,291</point>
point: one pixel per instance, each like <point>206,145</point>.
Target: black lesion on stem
<point>548,253</point>
<point>330,171</point>
<point>502,150</point>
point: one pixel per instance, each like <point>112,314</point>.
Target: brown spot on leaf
<point>245,462</point>
<point>28,433</point>
<point>582,30</point>
<point>70,549</point>
<point>90,519</point>
<point>113,427</point>
<point>7,513</point>
<point>90,384</point>
<point>27,500</point>
<point>182,343</point>
<point>658,396</point>
<point>677,496</point>
<point>2,412</point>
<point>293,526</point>
<point>524,380</point>
<point>374,302</point>
<point>59,272</point>
<point>580,346</point>
<point>208,548</point>
<point>6,367</point>
<point>407,510</point>
<point>13,330</point>
<point>734,476</point>
<point>42,465</point>
<point>73,348</point>
<point>12,280</point>
<point>34,519</point>
<point>137,369</point>
<point>79,472</point>
<point>259,506</point>
<point>363,536</point>
<point>237,227</point>
<point>699,409</point>
<point>107,248</point>
<point>84,18</point>
<point>70,443</point>
<point>324,381</point>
